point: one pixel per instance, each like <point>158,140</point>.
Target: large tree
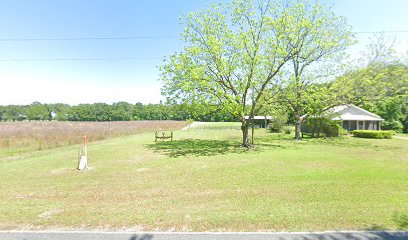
<point>378,83</point>
<point>234,53</point>
<point>319,37</point>
<point>38,111</point>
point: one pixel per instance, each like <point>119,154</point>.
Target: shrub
<point>322,125</point>
<point>373,134</point>
<point>331,130</point>
<point>392,125</point>
<point>343,131</point>
<point>278,123</point>
<point>189,121</point>
<point>287,130</point>
<point>405,123</point>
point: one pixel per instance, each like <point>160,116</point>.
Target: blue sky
<point>73,82</point>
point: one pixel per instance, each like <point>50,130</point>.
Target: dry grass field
<point>17,137</point>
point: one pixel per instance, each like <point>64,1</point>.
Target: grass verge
<point>204,182</point>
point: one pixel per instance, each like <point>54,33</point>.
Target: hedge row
<point>373,134</point>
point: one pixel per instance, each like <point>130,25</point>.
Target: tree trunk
<point>245,134</point>
<point>298,122</point>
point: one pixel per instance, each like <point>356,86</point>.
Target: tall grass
<point>44,135</point>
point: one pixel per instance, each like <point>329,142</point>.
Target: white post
<point>83,161</point>
<point>86,155</point>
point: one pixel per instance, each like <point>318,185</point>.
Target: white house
<point>355,118</point>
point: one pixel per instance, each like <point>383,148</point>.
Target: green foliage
<point>380,87</point>
<point>278,123</point>
<point>38,111</point>
<point>102,112</point>
<point>189,121</point>
<point>332,130</point>
<point>392,125</point>
<point>394,109</point>
<point>321,36</point>
<point>322,126</point>
<point>236,53</point>
<point>287,129</point>
<point>373,134</point>
<point>343,131</point>
<point>58,111</point>
<point>405,124</point>
<point>13,113</point>
<point>391,108</point>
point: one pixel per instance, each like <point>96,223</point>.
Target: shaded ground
<point>200,147</point>
<point>196,147</point>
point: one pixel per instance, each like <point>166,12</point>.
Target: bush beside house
<point>323,126</point>
<point>392,125</point>
<point>373,134</point>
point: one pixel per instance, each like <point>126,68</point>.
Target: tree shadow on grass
<point>375,227</point>
<point>401,220</point>
<point>196,147</point>
<point>201,147</point>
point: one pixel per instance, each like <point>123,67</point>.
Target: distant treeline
<point>102,112</point>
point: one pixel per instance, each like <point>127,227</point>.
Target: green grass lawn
<point>402,135</point>
<point>203,181</point>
